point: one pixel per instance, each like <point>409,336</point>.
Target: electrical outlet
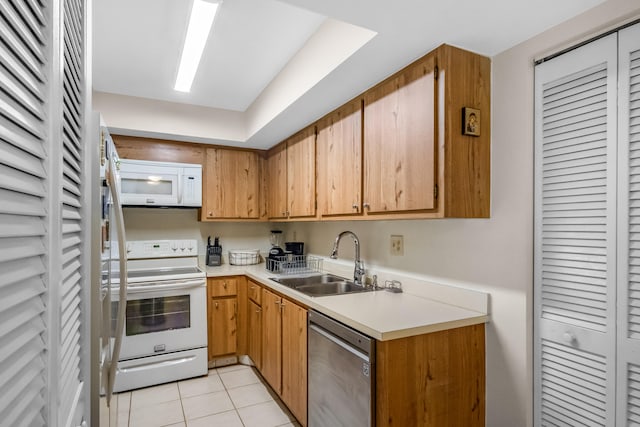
<point>397,245</point>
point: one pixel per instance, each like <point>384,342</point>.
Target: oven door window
<point>157,314</point>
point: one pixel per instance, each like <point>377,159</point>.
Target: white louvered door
<point>43,256</point>
<point>73,257</point>
<point>575,226</point>
<point>628,398</point>
<point>24,50</point>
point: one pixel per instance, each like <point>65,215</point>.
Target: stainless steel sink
<point>321,285</point>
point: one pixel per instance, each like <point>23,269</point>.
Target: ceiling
<point>278,65</point>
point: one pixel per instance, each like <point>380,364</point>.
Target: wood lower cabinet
<point>222,309</point>
<point>284,351</point>
<point>271,339</point>
<point>294,359</point>
<point>254,340</point>
<point>254,328</point>
<point>222,326</point>
<point>433,380</point>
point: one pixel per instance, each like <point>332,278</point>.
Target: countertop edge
<point>316,304</point>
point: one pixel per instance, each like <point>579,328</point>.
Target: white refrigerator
<point>109,266</point>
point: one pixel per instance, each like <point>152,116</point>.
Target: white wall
<point>494,254</point>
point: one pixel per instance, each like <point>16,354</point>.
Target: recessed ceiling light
<point>202,15</point>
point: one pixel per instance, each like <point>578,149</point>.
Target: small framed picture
<point>470,121</point>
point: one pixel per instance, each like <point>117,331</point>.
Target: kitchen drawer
<point>222,287</point>
<point>255,292</point>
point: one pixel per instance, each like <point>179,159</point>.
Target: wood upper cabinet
<point>400,141</point>
<point>301,174</point>
<point>339,159</point>
<point>277,182</point>
<point>294,359</point>
<point>291,182</point>
<point>231,184</point>
<point>271,339</point>
<point>416,160</point>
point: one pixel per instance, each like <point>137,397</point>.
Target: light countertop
<point>380,314</point>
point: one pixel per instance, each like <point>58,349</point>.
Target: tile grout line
<point>184,415</point>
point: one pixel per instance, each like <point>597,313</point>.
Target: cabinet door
<point>222,326</point>
<point>255,334</point>
<point>232,184</point>
<point>294,359</point>
<point>271,339</point>
<point>254,292</point>
<point>339,148</point>
<point>399,142</point>
<point>277,182</point>
<point>301,173</point>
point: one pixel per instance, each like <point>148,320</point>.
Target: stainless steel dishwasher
<point>341,374</point>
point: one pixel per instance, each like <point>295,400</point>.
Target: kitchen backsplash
<point>149,224</point>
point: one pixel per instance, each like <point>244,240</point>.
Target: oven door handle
<point>166,287</point>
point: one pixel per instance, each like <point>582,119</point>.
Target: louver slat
<point>633,396</point>
<point>633,297</point>
<point>573,386</point>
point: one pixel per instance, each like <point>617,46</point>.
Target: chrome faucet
<point>358,271</point>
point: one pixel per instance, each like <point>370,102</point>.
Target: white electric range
<point>165,331</point>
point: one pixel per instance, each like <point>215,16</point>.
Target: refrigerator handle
<point>122,254</point>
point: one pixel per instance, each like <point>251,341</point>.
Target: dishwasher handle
<point>348,335</point>
<point>346,346</point>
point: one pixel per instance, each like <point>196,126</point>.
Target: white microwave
<point>160,184</point>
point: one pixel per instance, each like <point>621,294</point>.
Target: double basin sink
<point>321,285</point>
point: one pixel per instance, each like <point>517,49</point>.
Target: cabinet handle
<point>366,205</point>
<point>210,213</point>
<point>253,287</point>
<point>258,310</point>
<point>355,206</point>
<point>216,305</point>
<point>224,285</point>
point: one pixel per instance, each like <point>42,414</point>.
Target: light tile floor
<point>227,397</point>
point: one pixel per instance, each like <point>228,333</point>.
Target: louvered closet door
<point>574,253</point>
<point>628,381</point>
<point>73,258</point>
<point>23,211</point>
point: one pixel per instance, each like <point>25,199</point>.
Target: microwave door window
<point>156,187</point>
